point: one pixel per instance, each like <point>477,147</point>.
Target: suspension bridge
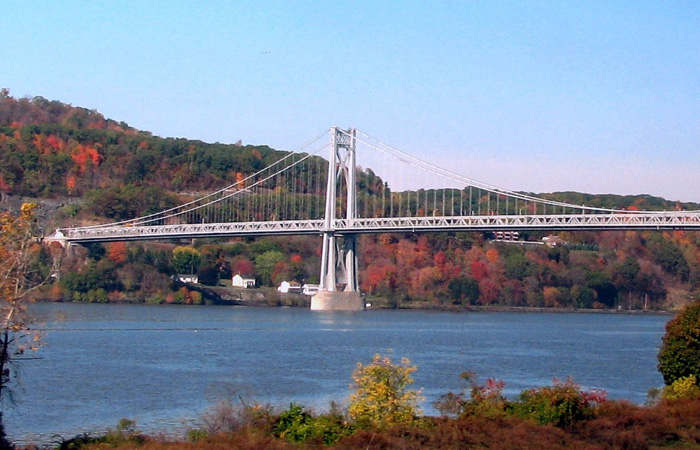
<point>363,186</point>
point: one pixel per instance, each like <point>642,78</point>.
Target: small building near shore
<point>309,289</point>
<point>243,282</point>
<point>553,241</point>
<point>289,287</point>
<point>187,278</point>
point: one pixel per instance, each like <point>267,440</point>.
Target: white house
<point>187,278</point>
<point>309,289</point>
<point>553,241</point>
<point>239,281</point>
<point>288,287</point>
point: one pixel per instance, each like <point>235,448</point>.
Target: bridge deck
<point>572,222</point>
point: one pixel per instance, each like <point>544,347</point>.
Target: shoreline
<point>260,300</point>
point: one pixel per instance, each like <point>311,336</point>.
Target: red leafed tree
<point>117,252</point>
<point>3,185</point>
<point>39,142</point>
<point>243,266</point>
<point>440,259</point>
<point>489,291</point>
<point>54,142</point>
<point>478,270</point>
<point>380,275</point>
<point>423,281</point>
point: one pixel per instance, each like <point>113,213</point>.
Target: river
<point>163,366</point>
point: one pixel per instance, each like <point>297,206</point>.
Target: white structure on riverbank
<point>289,287</point>
<point>239,281</point>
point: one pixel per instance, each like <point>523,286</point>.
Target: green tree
<point>265,265</point>
<point>680,350</point>
<point>186,260</point>
<point>606,292</point>
<point>381,395</point>
<point>582,297</point>
<point>517,266</point>
<point>669,256</point>
<point>464,288</point>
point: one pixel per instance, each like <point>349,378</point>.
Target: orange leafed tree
<point>82,154</point>
<point>70,183</point>
<point>240,180</point>
<point>117,252</point>
<point>19,276</point>
<point>492,255</point>
<point>54,142</point>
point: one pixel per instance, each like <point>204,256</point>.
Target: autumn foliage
<point>113,172</point>
<point>50,149</point>
<point>382,396</point>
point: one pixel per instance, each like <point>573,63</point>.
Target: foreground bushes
<point>616,425</point>
<point>555,417</point>
<point>561,405</point>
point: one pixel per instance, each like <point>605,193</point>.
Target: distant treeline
<point>52,150</point>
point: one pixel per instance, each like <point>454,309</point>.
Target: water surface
<point>164,365</point>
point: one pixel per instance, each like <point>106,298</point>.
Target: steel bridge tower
<point>339,288</point>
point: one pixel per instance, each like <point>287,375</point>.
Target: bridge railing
<point>582,222</point>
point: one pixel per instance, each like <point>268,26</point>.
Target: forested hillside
<point>99,170</point>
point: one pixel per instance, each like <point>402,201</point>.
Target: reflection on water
<point>162,365</point>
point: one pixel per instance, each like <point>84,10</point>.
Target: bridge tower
<point>339,288</point>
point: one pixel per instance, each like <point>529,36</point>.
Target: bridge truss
<point>597,222</point>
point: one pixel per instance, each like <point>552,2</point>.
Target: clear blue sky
<point>593,96</point>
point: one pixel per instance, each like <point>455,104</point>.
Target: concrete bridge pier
<point>337,301</point>
<point>339,289</point>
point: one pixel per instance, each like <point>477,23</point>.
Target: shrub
<point>682,388</point>
<point>227,416</point>
<point>486,399</point>
<point>331,428</point>
<point>294,424</point>
<point>381,395</point>
<point>157,298</point>
<point>196,434</point>
<point>125,434</point>
<point>298,425</point>
<point>680,352</point>
<point>561,404</point>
